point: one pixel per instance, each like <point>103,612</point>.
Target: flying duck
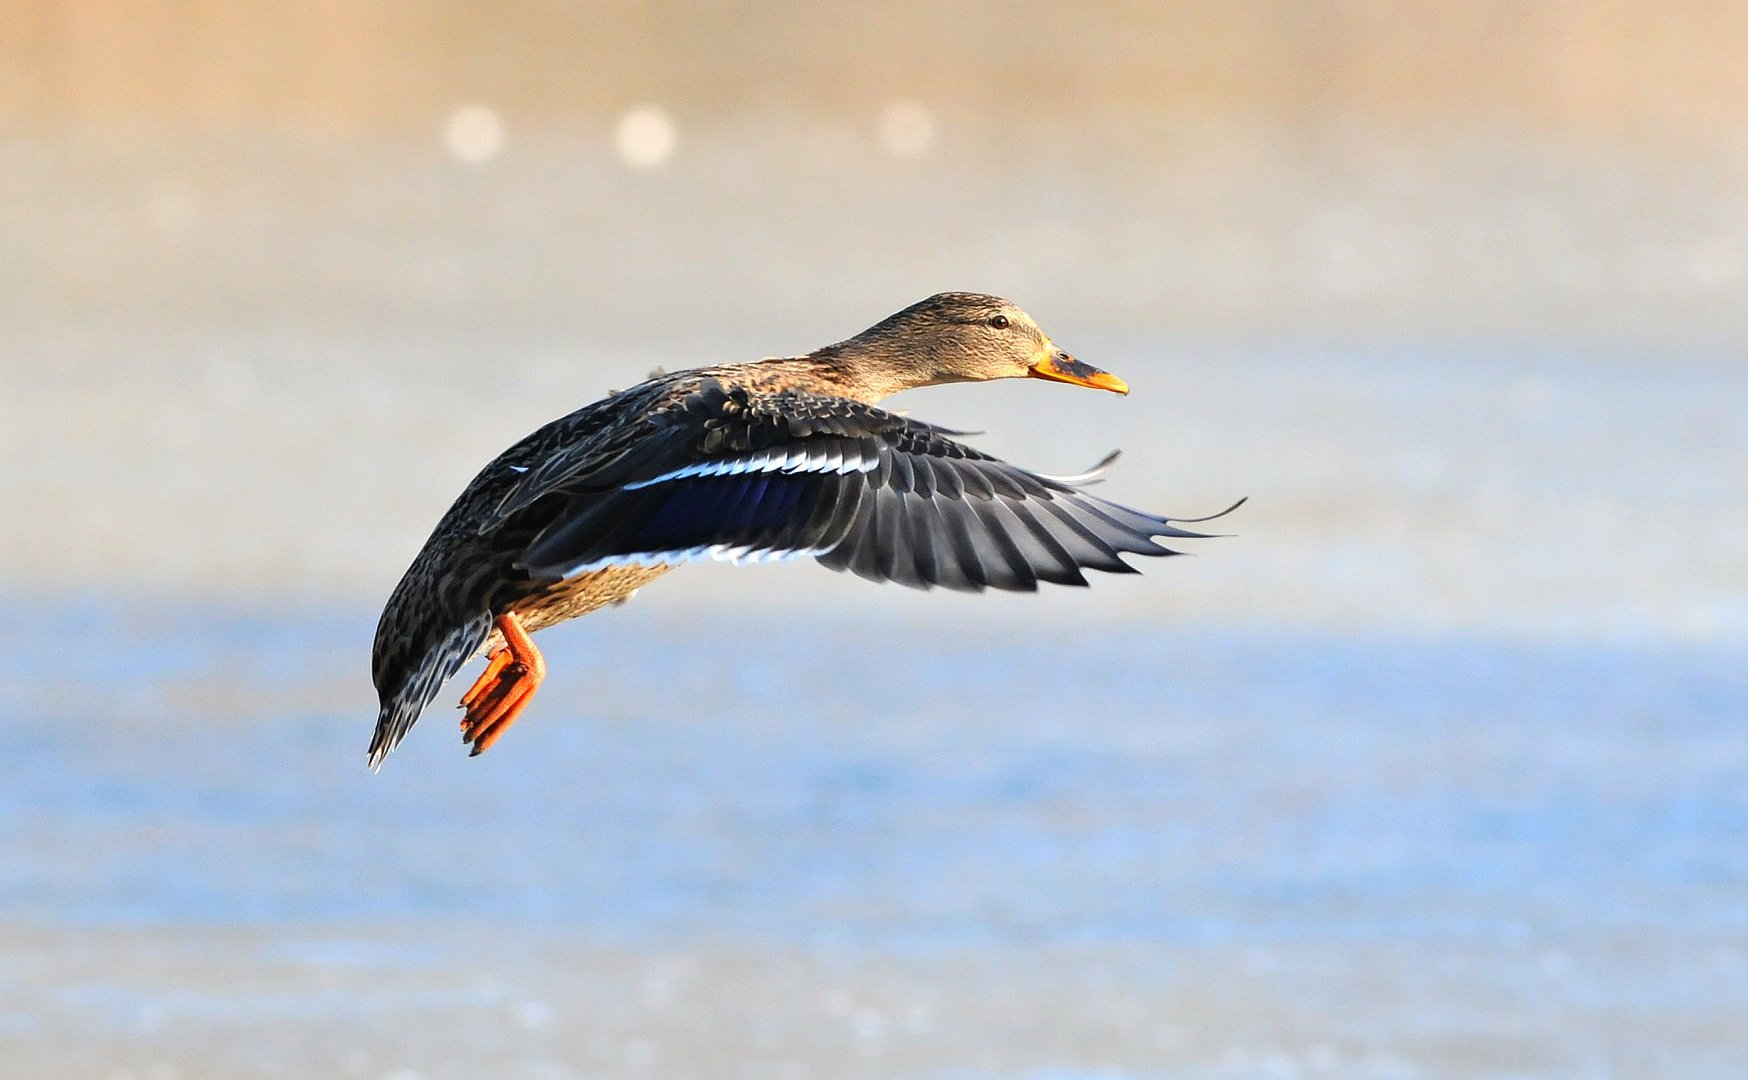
<point>777,459</point>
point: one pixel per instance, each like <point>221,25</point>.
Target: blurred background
<point>1434,768</point>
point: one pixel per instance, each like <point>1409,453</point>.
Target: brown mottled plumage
<point>781,458</point>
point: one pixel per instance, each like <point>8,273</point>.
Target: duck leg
<point>503,690</point>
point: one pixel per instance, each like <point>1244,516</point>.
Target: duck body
<point>771,460</point>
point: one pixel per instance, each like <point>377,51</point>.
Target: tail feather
<point>403,702</point>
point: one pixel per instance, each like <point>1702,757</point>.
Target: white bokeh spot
<point>646,136</point>
<point>474,133</point>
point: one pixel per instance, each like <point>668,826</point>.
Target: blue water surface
<point>885,785</point>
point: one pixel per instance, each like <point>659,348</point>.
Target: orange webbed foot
<point>504,689</point>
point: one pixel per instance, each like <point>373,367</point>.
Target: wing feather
<point>731,474</point>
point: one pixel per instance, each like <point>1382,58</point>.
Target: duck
<point>771,460</point>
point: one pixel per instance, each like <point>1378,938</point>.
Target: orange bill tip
<point>1061,367</point>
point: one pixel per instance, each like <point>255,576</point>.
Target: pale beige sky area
<point>279,276</point>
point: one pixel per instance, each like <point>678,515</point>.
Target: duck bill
<point>1062,367</point>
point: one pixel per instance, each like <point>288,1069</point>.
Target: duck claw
<point>503,690</point>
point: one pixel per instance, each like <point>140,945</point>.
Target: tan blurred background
<point>1351,169</point>
<point>278,277</point>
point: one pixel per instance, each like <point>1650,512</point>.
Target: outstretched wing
<point>743,476</point>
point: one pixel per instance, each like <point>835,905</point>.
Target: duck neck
<point>846,370</point>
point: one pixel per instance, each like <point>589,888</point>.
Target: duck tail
<point>408,677</point>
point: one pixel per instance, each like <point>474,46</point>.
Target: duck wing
<point>746,475</point>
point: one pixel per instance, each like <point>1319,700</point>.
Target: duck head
<point>964,337</point>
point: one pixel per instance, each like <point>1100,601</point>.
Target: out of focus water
<point>733,843</point>
<point>1435,768</point>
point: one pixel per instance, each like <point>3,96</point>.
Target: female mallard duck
<point>777,459</point>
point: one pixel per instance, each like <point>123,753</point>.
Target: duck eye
<point>1000,322</point>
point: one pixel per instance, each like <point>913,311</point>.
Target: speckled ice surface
<point>752,845</point>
